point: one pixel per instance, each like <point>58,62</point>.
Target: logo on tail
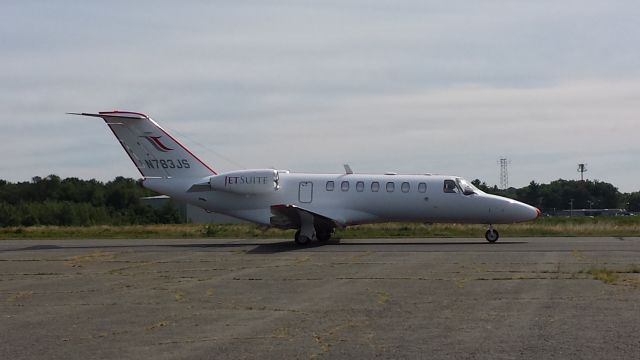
<point>155,141</point>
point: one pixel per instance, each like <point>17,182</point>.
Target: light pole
<point>571,211</point>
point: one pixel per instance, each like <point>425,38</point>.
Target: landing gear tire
<point>300,239</point>
<point>324,236</point>
<point>492,235</point>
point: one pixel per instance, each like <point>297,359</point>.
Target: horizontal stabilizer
<point>113,114</point>
<point>161,197</point>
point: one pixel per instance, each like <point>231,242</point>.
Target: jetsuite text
<point>245,180</point>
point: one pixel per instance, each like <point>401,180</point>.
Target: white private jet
<point>314,204</point>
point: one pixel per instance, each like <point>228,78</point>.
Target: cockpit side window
<point>450,187</point>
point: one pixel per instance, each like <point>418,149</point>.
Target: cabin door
<point>305,192</point>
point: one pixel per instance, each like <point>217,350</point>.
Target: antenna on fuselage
<point>347,169</point>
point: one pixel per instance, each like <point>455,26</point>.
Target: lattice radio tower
<point>504,173</point>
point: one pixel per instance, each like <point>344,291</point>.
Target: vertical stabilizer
<point>153,150</point>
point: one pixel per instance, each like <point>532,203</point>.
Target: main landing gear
<point>491,235</point>
<point>301,239</point>
<point>311,230</point>
<point>307,231</point>
<point>320,234</point>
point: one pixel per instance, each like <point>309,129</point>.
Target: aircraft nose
<point>507,211</point>
<point>528,212</point>
<point>517,211</point>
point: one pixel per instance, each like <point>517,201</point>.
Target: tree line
<point>564,194</point>
<point>75,202</point>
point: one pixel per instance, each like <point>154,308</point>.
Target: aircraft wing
<point>288,217</point>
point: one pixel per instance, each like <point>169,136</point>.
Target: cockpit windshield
<point>466,187</point>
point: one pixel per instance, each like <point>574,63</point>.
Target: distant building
<point>594,212</point>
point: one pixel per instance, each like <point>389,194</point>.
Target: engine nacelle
<point>248,182</point>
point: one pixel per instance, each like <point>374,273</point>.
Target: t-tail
<point>154,151</point>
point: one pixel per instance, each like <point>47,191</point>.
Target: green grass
<point>619,227</point>
<point>171,231</point>
<point>614,226</point>
<point>627,275</point>
<point>607,276</point>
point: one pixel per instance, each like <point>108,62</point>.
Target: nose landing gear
<point>491,235</point>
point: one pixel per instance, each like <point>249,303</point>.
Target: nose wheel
<point>492,235</point>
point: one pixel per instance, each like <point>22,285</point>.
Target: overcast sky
<point>407,86</point>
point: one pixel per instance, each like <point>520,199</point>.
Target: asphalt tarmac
<point>521,298</point>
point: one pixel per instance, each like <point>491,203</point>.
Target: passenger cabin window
<point>391,187</point>
<point>330,185</point>
<point>375,186</point>
<point>450,187</point>
<point>422,187</point>
<point>360,186</point>
<point>405,187</point>
<point>344,186</point>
